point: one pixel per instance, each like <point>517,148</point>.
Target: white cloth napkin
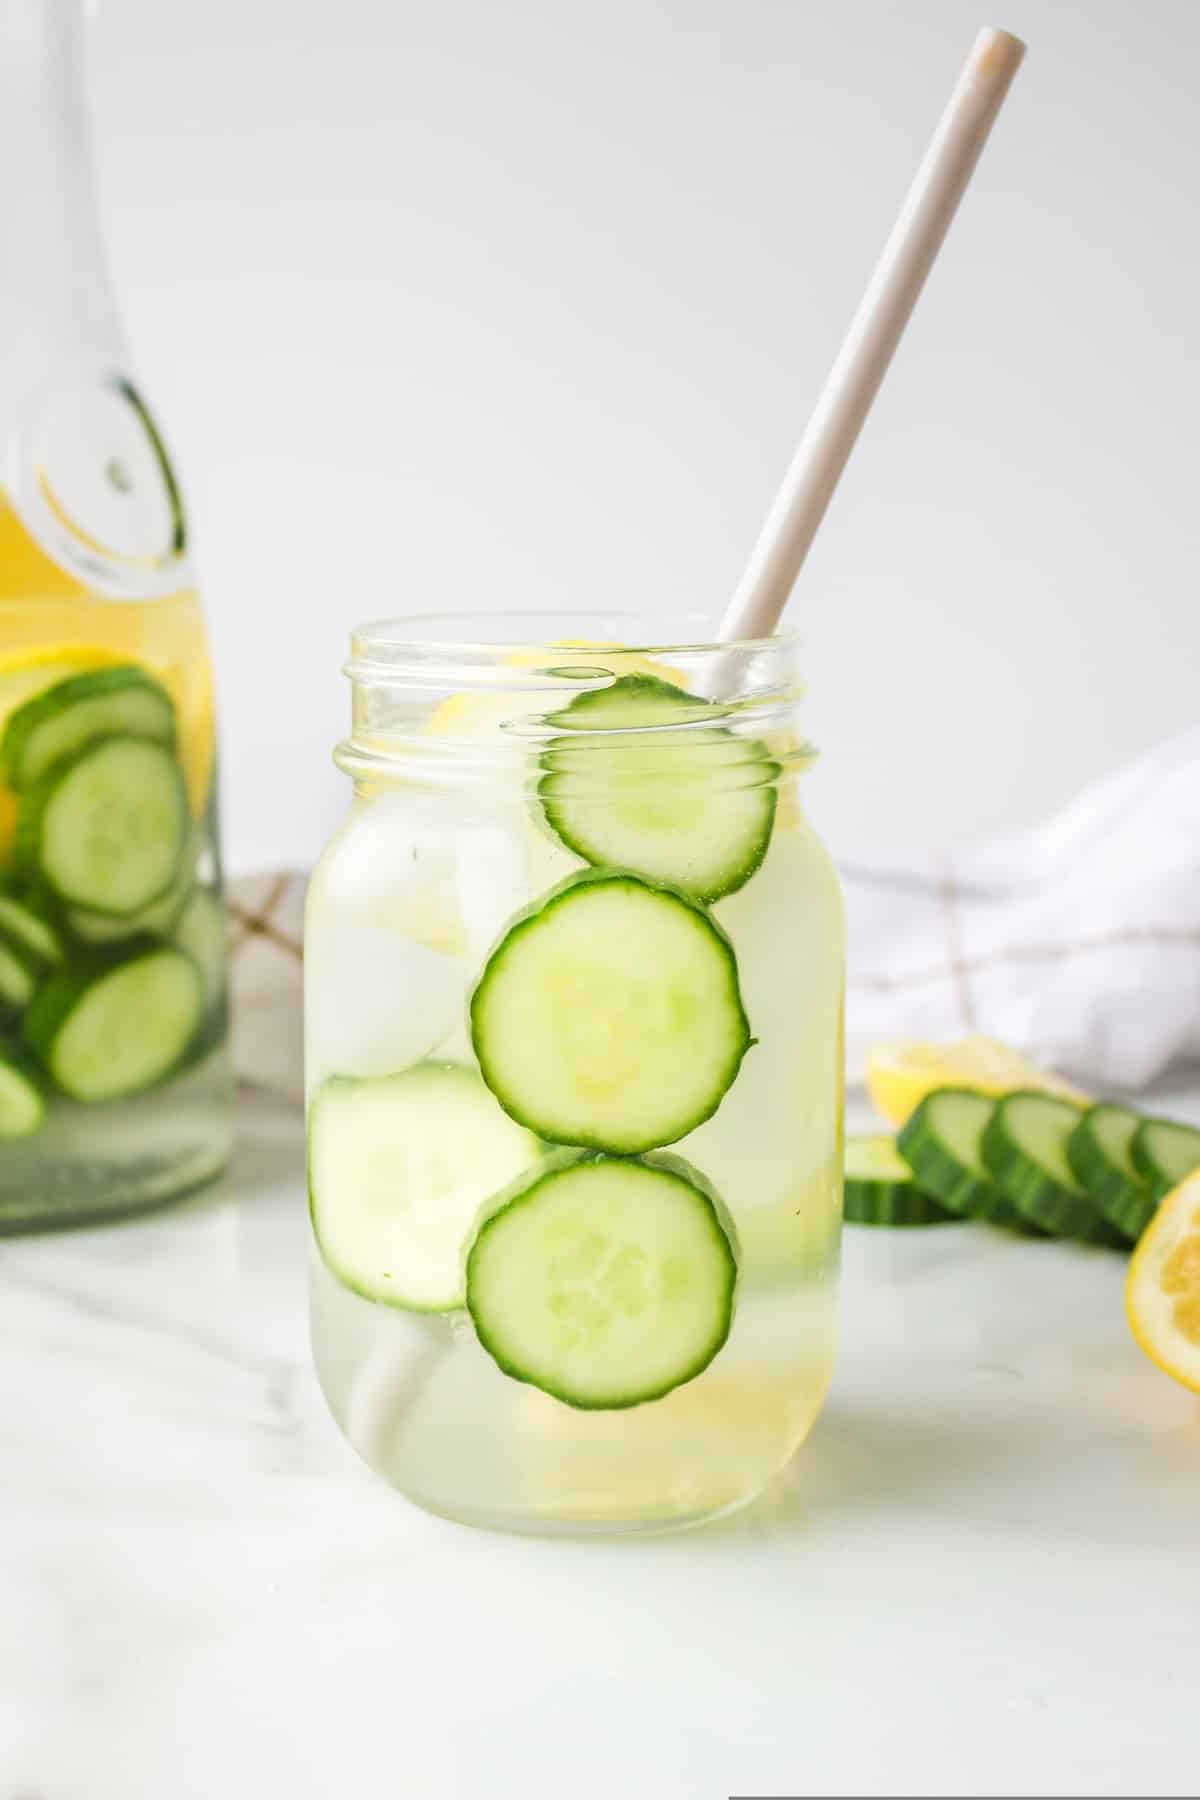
<point>1077,942</point>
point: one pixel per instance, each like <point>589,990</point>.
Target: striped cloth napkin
<point>1077,942</point>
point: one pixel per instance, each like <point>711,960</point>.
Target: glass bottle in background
<point>114,1074</point>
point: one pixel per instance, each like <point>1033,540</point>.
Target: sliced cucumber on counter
<point>118,702</point>
<point>22,1107</point>
<point>114,1024</point>
<point>1099,1151</point>
<point>942,1143</point>
<point>106,829</point>
<point>1025,1150</point>
<point>609,1015</point>
<point>201,930</point>
<point>25,931</point>
<point>399,1168</point>
<point>604,1281</point>
<point>692,806</point>
<point>1165,1153</point>
<point>880,1188</point>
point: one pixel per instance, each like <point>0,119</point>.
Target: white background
<point>489,304</point>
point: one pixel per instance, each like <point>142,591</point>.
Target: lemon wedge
<point>899,1075</point>
<point>1162,1293</point>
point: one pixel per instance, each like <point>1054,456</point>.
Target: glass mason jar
<point>574,982</point>
<point>114,1078</point>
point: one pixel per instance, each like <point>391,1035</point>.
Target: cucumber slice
<point>120,702</point>
<point>156,920</point>
<point>26,932</point>
<point>880,1189</point>
<point>17,983</point>
<point>202,932</point>
<point>107,829</point>
<point>114,1024</point>
<point>398,1170</point>
<point>1165,1153</point>
<point>1099,1151</point>
<point>942,1145</point>
<point>22,1107</point>
<point>693,807</point>
<point>604,1281</point>
<point>609,1015</point>
<point>1025,1148</point>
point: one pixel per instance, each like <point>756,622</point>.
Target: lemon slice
<point>899,1075</point>
<point>1162,1294</point>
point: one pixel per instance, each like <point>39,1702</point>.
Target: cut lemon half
<point>899,1075</point>
<point>1162,1293</point>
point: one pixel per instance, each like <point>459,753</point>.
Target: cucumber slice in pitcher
<point>880,1188</point>
<point>202,931</point>
<point>17,982</point>
<point>1025,1148</point>
<point>25,931</point>
<point>399,1167</point>
<point>22,1106</point>
<point>604,1281</point>
<point>106,830</point>
<point>609,1015</point>
<point>116,1023</point>
<point>692,807</point>
<point>114,702</point>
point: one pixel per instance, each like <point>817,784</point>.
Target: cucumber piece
<point>1165,1153</point>
<point>604,1281</point>
<point>17,983</point>
<point>116,1023</point>
<point>880,1188</point>
<point>1025,1148</point>
<point>106,830</point>
<point>202,931</point>
<point>156,920</point>
<point>22,1106</point>
<point>398,1169</point>
<point>942,1145</point>
<point>609,1015</point>
<point>119,702</point>
<point>25,931</point>
<point>693,807</point>
<point>1099,1151</point>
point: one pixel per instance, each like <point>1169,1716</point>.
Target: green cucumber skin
<point>893,1203</point>
<point>35,801</point>
<point>94,687</point>
<point>1160,1179</point>
<point>527,920</point>
<point>942,1177</point>
<point>18,980</point>
<point>736,878</point>
<point>524,1189</point>
<point>25,929</point>
<point>54,1002</point>
<point>19,1068</point>
<point>1126,1204</point>
<point>1038,1196</point>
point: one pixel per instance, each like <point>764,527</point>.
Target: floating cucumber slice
<point>1099,1151</point>
<point>113,1024</point>
<point>201,930</point>
<point>1165,1153</point>
<point>880,1188</point>
<point>156,920</point>
<point>609,1015</point>
<point>942,1145</point>
<point>1025,1149</point>
<point>25,931</point>
<point>398,1170</point>
<point>106,830</point>
<point>22,1107</point>
<point>17,983</point>
<point>119,702</point>
<point>605,1281</point>
<point>692,806</point>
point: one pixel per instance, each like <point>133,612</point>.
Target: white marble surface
<point>980,1577</point>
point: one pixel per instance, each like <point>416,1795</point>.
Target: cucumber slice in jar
<point>201,930</point>
<point>604,1281</point>
<point>1165,1153</point>
<point>942,1145</point>
<point>693,805</point>
<point>609,1016</point>
<point>22,1106</point>
<point>115,1024</point>
<point>101,703</point>
<point>26,932</point>
<point>106,830</point>
<point>1025,1148</point>
<point>17,982</point>
<point>880,1188</point>
<point>1099,1151</point>
<point>399,1167</point>
<point>156,920</point>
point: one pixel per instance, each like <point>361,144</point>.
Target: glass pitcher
<point>114,1075</point>
<point>574,974</point>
